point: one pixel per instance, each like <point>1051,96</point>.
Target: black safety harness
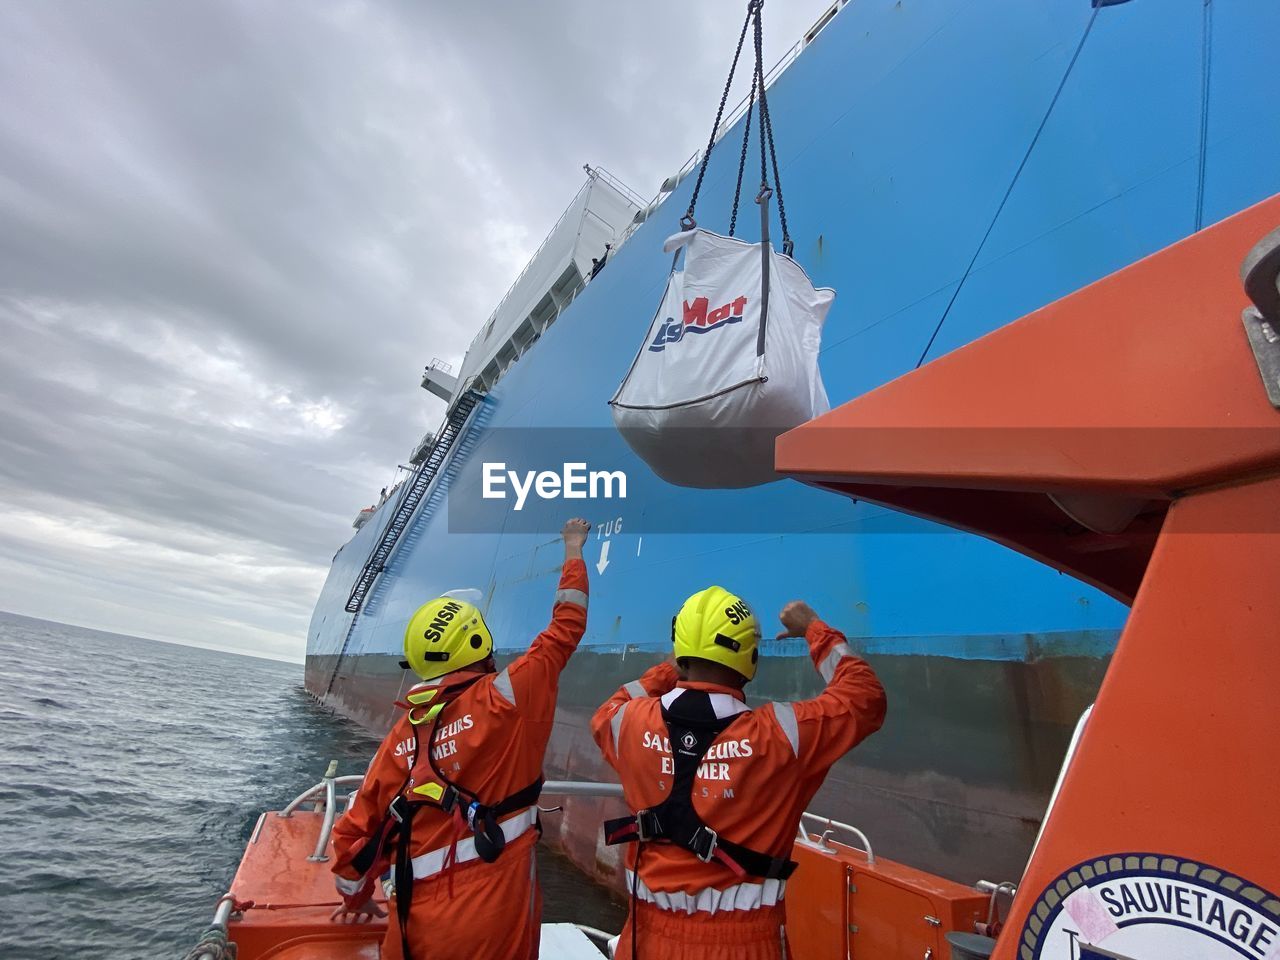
<point>483,821</point>
<point>676,821</point>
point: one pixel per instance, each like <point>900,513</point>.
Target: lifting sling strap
<point>676,821</point>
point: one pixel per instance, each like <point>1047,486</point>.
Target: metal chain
<point>742,160</point>
<point>765,125</point>
<point>764,109</point>
<point>766,130</point>
<point>687,221</point>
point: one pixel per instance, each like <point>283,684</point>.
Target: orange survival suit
<point>750,787</point>
<point>488,743</point>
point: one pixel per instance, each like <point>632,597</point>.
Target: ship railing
<point>492,354</point>
<point>593,173</point>
<point>672,182</point>
<point>645,209</point>
<point>423,447</point>
<point>614,182</point>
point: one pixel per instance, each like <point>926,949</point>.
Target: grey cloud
<point>231,235</point>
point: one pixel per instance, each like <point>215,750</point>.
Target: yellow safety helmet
<point>446,634</point>
<point>714,624</point>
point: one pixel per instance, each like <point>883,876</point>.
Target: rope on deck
<point>213,945</point>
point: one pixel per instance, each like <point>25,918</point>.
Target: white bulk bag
<point>713,386</point>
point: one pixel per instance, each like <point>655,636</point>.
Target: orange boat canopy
<point>1067,434</point>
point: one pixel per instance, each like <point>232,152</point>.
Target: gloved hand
<point>574,534</point>
<point>796,617</point>
<point>363,913</point>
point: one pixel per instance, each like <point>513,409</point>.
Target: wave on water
<point>130,789</point>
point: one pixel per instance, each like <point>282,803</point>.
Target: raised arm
<point>849,710</point>
<point>532,679</point>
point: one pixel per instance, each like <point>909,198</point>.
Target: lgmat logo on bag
<point>697,320</point>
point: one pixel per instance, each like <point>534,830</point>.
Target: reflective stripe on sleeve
<point>348,888</point>
<point>741,896</point>
<point>502,683</point>
<point>786,714</point>
<point>576,597</point>
<point>615,724</point>
<point>635,689</point>
<point>832,660</point>
<point>429,864</point>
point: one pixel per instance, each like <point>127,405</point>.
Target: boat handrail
<point>325,793</point>
<point>222,912</point>
<point>562,788</point>
<point>990,886</point>
<point>329,788</point>
<point>582,788</point>
<point>311,793</point>
<point>330,813</point>
<point>831,827</point>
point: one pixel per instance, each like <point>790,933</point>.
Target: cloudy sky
<point>232,232</point>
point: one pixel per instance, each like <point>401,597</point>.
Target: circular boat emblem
<point>1143,906</point>
<point>688,741</point>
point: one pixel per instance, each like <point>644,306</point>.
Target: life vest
<point>426,786</point>
<point>676,821</point>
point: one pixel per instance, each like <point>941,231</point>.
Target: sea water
<point>131,774</point>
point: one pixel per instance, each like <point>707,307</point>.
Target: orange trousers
<point>732,935</point>
<point>492,912</point>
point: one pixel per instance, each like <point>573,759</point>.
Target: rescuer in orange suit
<point>717,788</point>
<point>459,822</point>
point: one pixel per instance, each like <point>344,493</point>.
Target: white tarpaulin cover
<point>712,386</point>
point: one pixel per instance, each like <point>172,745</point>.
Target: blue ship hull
<point>899,131</point>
